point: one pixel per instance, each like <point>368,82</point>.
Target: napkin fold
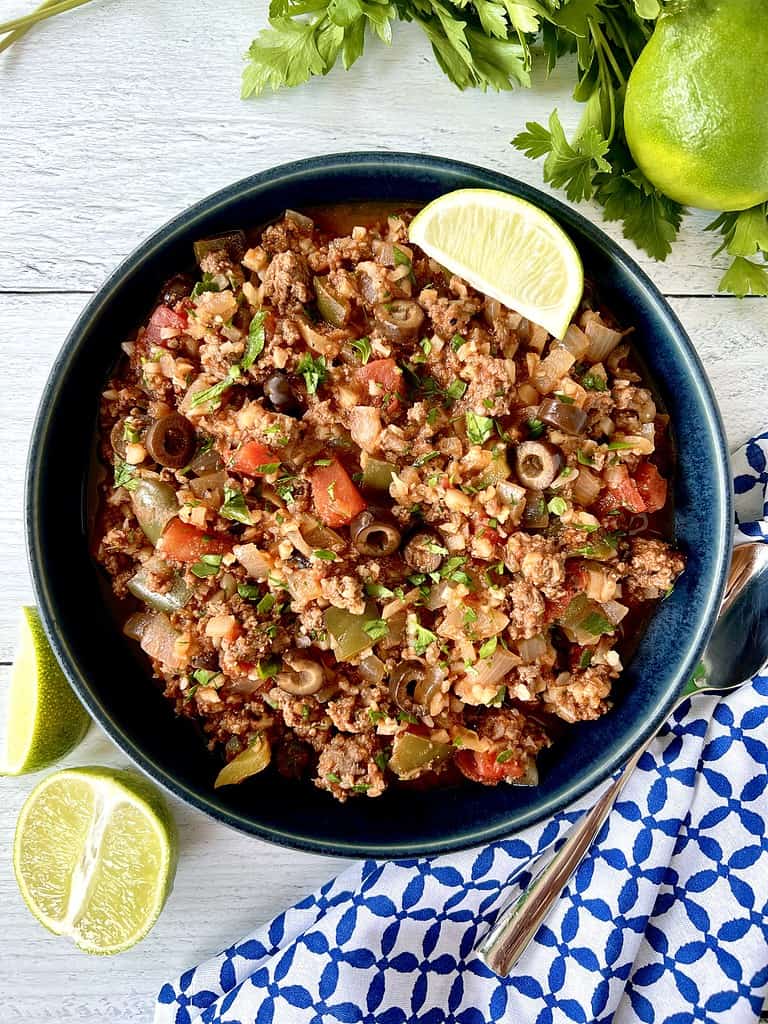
<point>666,919</point>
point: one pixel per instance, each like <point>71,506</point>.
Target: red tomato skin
<point>162,316</point>
<point>251,457</point>
<point>388,374</point>
<point>336,499</point>
<point>186,543</point>
<point>483,767</point>
<point>621,493</point>
<point>652,487</point>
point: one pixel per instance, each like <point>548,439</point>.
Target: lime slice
<point>44,718</point>
<point>95,856</point>
<point>506,248</point>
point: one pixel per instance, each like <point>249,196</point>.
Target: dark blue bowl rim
<point>403,164</point>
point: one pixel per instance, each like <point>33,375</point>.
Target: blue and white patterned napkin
<point>665,921</point>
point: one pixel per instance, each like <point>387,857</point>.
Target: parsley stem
<point>619,31</point>
<point>43,12</point>
<point>18,33</point>
<point>602,45</point>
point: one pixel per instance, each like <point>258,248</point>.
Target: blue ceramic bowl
<point>114,685</point>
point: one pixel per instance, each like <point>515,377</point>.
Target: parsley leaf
<point>215,391</point>
<point>488,647</point>
<point>256,339</point>
<point>206,285</point>
<point>314,371</point>
<point>479,428</point>
<point>744,277</point>
<point>568,165</point>
<point>422,639</point>
<point>363,348</point>
<point>234,507</point>
<point>125,475</point>
<point>376,629</point>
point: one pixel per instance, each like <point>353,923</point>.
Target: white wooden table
<point>112,119</point>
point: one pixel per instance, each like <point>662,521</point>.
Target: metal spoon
<point>737,649</point>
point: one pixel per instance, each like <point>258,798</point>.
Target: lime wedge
<point>95,856</point>
<point>506,248</point>
<point>44,719</point>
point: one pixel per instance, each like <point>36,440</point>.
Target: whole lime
<point>696,110</point>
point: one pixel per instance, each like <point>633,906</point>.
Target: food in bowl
<point>371,525</point>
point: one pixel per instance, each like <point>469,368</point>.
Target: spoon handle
<point>518,923</point>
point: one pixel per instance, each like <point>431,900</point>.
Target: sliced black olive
<point>374,536</point>
<point>280,394</point>
<point>399,319</point>
<point>535,513</point>
<point>117,437</point>
<point>568,418</point>
<point>176,288</point>
<point>171,441</point>
<point>537,464</point>
<point>405,680</point>
<point>423,552</point>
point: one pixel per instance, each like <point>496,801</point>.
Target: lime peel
<point>508,249</point>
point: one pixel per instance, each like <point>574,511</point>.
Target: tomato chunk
<point>625,491</point>
<point>337,500</point>
<point>163,316</point>
<point>185,543</point>
<point>652,486</point>
<point>254,459</point>
<point>389,387</point>
<point>484,766</point>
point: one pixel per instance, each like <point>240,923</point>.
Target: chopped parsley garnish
<point>586,658</point>
<point>455,390</point>
<point>423,459</point>
<point>333,778</point>
<point>208,284</point>
<point>479,428</point>
<point>324,554</point>
<point>498,699</point>
<point>360,787</point>
<point>584,459</point>
<point>125,475</point>
<point>362,346</point>
<point>213,394</point>
<point>269,667</point>
<point>488,647</point>
<point>266,604</point>
<point>402,259</point>
<point>594,382</point>
<point>586,527</point>
<point>535,428</point>
<point>208,565</point>
<point>504,756</point>
<point>248,591</point>
<point>596,624</point>
<point>422,639</point>
<point>432,416</point>
<point>376,629</point>
<point>619,446</point>
<point>234,507</point>
<point>256,339</point>
<point>314,371</point>
<point>380,761</point>
<point>406,716</point>
<point>378,590</point>
<point>375,715</point>
<point>284,487</point>
<point>470,617</point>
<point>565,399</point>
<point>557,505</point>
<point>323,462</point>
<point>457,341</point>
<point>306,711</point>
<point>426,346</point>
<point>130,433</point>
<point>206,677</point>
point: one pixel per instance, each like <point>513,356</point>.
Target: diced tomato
<point>624,490</point>
<point>417,728</point>
<point>185,543</point>
<point>337,500</point>
<point>484,529</point>
<point>652,486</point>
<point>163,316</point>
<point>484,766</point>
<point>391,387</point>
<point>253,459</point>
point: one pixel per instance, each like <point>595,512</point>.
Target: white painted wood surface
<point>112,119</point>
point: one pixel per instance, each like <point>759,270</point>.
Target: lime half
<point>44,719</point>
<point>506,248</point>
<point>95,856</point>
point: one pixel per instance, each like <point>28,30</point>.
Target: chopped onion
<point>586,487</point>
<point>489,622</point>
<point>551,370</point>
<point>533,649</point>
<point>601,584</point>
<point>492,670</point>
<point>158,640</point>
<point>614,611</point>
<point>136,625</point>
<point>372,669</point>
<point>602,341</point>
<point>438,595</point>
<point>258,564</point>
<point>530,776</point>
<point>509,493</point>
<point>300,219</point>
<point>576,342</point>
<point>365,427</point>
<point>635,443</point>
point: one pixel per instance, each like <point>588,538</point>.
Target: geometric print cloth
<point>665,921</point>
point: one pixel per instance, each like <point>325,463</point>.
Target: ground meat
<point>580,696</point>
<point>285,235</point>
<point>304,715</point>
<point>287,281</point>
<point>344,592</point>
<point>510,728</point>
<point>526,609</point>
<point>374,283</point>
<point>539,559</point>
<point>349,250</point>
<point>653,567</point>
<point>347,767</point>
<point>448,316</point>
<point>491,385</point>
